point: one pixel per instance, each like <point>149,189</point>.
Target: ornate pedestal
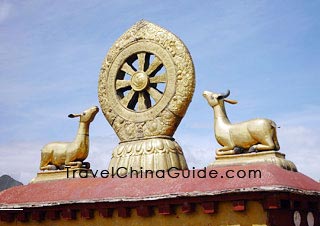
<point>149,154</point>
<point>146,84</point>
<point>62,174</point>
<point>273,157</point>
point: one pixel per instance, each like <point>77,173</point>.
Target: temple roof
<point>93,190</point>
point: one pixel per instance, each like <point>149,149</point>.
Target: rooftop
<point>113,190</point>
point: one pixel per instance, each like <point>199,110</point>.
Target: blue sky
<point>266,52</point>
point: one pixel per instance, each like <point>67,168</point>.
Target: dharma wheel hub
<point>139,81</point>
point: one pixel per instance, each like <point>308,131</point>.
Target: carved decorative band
<point>147,146</point>
<point>147,138</point>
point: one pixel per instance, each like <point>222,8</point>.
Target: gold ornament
<point>249,142</point>
<point>249,136</point>
<point>145,87</point>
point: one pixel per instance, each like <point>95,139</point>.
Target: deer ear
<point>73,115</point>
<point>230,101</point>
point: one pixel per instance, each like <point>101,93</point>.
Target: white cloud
<point>199,150</point>
<point>300,144</point>
<point>101,149</point>
<point>5,10</point>
<point>20,160</point>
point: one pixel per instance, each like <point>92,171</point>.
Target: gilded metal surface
<point>57,155</point>
<point>51,175</point>
<point>249,136</point>
<point>146,84</point>
<point>150,154</point>
<point>273,157</point>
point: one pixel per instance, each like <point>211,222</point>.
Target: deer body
<point>59,154</point>
<point>255,134</point>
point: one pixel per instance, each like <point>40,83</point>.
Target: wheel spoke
<point>122,84</point>
<point>143,101</point>
<point>128,69</point>
<point>125,101</point>
<point>154,93</point>
<point>154,65</point>
<point>141,60</point>
<point>138,96</point>
<point>159,79</point>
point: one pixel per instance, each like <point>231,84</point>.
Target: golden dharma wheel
<point>146,83</point>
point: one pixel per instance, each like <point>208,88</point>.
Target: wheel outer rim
<point>152,112</point>
<point>147,37</point>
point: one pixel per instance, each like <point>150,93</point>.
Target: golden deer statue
<point>252,136</point>
<point>60,154</point>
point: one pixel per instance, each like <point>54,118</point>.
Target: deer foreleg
<point>86,165</point>
<point>226,150</point>
<point>48,167</point>
<point>76,164</point>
